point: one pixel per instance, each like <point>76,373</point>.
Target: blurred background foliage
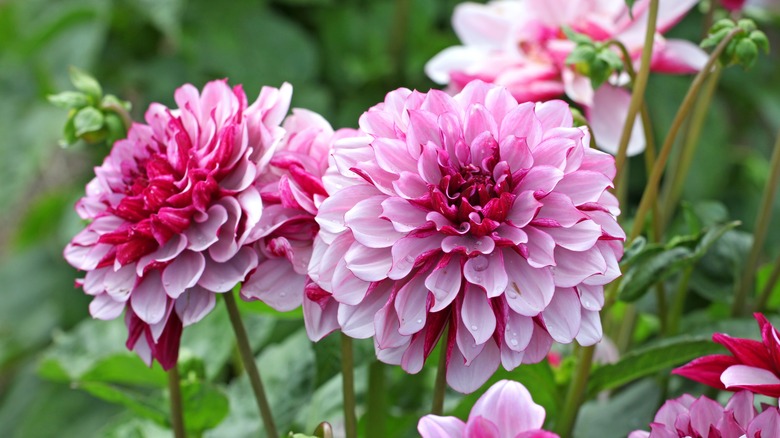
<point>62,374</point>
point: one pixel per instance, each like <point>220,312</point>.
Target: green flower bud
<point>762,42</point>
<point>87,84</point>
<point>747,25</point>
<point>746,52</point>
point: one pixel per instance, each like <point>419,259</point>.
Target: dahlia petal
<point>104,307</point>
<point>478,26</point>
<point>522,122</point>
<point>413,358</point>
<point>148,299</point>
<point>553,114</point>
<point>445,281</point>
<point>358,321</point>
<point>118,284</point>
<point>252,208</point>
<point>741,405</point>
<point>591,297</point>
<point>509,406</point>
<point>93,281</point>
<point>518,331</point>
<point>467,379</point>
<point>434,426</point>
<point>524,208</point>
<point>487,271</point>
<point>607,116</point>
<point>410,305</point>
<point>590,328</point>
<point>410,186</point>
<point>562,316</point>
<point>541,248</point>
<point>468,245</point>
<point>165,253</point>
<point>392,156</point>
<point>479,123</point>
<point>515,152</point>
<point>368,264</point>
<point>428,165</point>
<point>275,283</point>
<point>573,268</point>
<point>510,359</point>
<point>226,245</point>
<point>404,216</point>
<point>745,351</point>
<point>347,288</point>
<point>479,427</point>
<point>530,290</point>
<point>678,56</point>
<point>584,186</point>
<point>203,234</point>
<point>320,321</point>
<point>707,369</point>
<point>222,277</point>
<point>330,216</point>
<point>408,250</point>
<point>85,258</point>
<point>705,413</point>
<point>744,375</point>
<point>194,304</point>
<point>558,207</point>
<point>183,273</point>
<point>477,314</point>
<point>241,177</point>
<point>558,152</point>
<point>386,324</point>
<point>765,424</point>
<point>465,342</point>
<point>423,129</point>
<point>541,179</point>
<point>368,228</point>
<point>539,346</point>
<point>579,237</point>
<point>578,87</point>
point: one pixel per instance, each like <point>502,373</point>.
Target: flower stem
<point>639,86</point>
<point>248,358</point>
<point>375,426</point>
<point>177,413</point>
<point>348,386</point>
<point>760,229</point>
<point>651,189</point>
<point>769,286</point>
<point>441,379</point>
<point>679,302</point>
<point>576,393</point>
<point>672,189</point>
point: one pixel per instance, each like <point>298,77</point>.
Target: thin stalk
<point>760,229</point>
<point>177,413</point>
<point>679,302</point>
<point>576,393</point>
<point>672,189</point>
<point>639,86</point>
<point>769,286</point>
<point>626,328</point>
<point>440,386</point>
<point>248,358</point>
<point>119,110</point>
<point>348,386</point>
<point>375,426</point>
<point>397,43</point>
<point>651,189</point>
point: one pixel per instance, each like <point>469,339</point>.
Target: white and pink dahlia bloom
<point>471,212</point>
<point>506,410</point>
<point>520,44</point>
<point>173,208</point>
<point>702,417</point>
<point>292,192</point>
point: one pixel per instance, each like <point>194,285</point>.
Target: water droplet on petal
<point>409,259</point>
<point>419,321</point>
<point>480,263</point>
<point>474,328</point>
<point>282,294</point>
<point>513,341</point>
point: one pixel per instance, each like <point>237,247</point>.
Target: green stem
<point>440,386</point>
<point>122,113</point>
<point>248,358</point>
<point>672,189</point>
<point>576,393</point>
<point>348,386</point>
<point>679,302</point>
<point>639,86</point>
<point>626,328</point>
<point>760,229</point>
<point>651,189</point>
<point>769,287</point>
<point>375,426</point>
<point>398,36</point>
<point>177,413</point>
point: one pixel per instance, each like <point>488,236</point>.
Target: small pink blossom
<point>687,416</point>
<point>754,365</point>
<point>505,410</point>
<point>471,212</point>
<point>172,212</point>
<point>520,44</point>
<point>733,5</point>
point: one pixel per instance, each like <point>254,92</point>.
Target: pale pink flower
<point>520,44</point>
<point>473,212</point>
<point>702,417</point>
<point>172,211</point>
<point>505,410</point>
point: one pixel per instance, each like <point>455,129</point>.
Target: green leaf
<point>87,120</point>
<point>650,360</point>
<point>150,406</point>
<point>631,409</point>
<point>205,405</point>
<point>68,99</point>
<point>578,38</point>
<point>86,83</point>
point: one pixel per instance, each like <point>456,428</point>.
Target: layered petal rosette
<point>520,44</point>
<point>506,410</point>
<point>471,212</point>
<point>753,365</point>
<point>703,417</point>
<point>172,211</point>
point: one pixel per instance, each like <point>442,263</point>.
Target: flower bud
<point>746,52</point>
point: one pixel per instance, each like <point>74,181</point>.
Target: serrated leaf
<point>86,83</point>
<point>86,120</point>
<point>650,360</point>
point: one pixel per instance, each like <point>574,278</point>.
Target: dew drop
<point>511,295</point>
<point>419,321</point>
<point>480,263</point>
<point>282,294</point>
<point>513,341</point>
<point>409,259</point>
<point>474,328</point>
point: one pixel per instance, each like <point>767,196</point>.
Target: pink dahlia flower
<point>520,44</point>
<point>687,416</point>
<point>172,212</point>
<point>469,211</point>
<point>754,365</point>
<point>506,410</point>
<point>733,5</point>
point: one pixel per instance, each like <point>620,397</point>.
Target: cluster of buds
<point>594,59</point>
<point>743,49</point>
<point>92,117</point>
